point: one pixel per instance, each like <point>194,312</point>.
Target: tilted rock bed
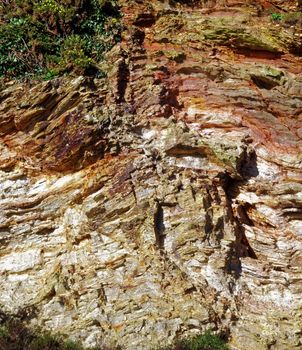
<point>166,198</point>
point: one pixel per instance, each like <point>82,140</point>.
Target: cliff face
<point>166,198</point>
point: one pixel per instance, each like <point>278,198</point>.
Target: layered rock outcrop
<point>166,198</point>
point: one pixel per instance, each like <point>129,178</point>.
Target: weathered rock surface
<point>166,198</point>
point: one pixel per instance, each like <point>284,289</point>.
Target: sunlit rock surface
<point>166,198</point>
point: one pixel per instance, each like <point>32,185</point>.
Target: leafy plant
<point>74,54</point>
<point>42,36</point>
<point>276,16</point>
<point>207,341</point>
<point>50,74</point>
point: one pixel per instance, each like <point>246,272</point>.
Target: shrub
<point>37,36</point>
<point>74,55</point>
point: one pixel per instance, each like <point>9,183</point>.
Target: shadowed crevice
<point>123,79</point>
<point>159,227</point>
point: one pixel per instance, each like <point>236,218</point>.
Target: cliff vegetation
<point>46,38</point>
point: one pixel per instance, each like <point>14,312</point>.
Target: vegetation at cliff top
<point>52,37</point>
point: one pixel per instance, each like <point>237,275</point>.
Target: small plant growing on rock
<point>276,16</point>
<point>206,341</point>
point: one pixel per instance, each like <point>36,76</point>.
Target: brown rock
<point>166,198</point>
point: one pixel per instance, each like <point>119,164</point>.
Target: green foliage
<point>74,53</point>
<point>206,341</point>
<point>276,16</point>
<point>16,54</point>
<point>50,74</point>
<point>52,37</point>
<point>290,17</point>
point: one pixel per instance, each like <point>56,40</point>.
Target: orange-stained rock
<point>166,198</point>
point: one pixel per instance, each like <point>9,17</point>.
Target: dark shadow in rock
<point>247,167</point>
<point>159,226</point>
<point>145,20</point>
<point>123,79</point>
<point>263,82</point>
<point>241,247</point>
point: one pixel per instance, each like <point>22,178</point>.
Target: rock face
<point>166,198</point>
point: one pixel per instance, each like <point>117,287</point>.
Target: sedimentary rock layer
<point>165,198</point>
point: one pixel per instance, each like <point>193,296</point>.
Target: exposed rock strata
<point>166,198</point>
